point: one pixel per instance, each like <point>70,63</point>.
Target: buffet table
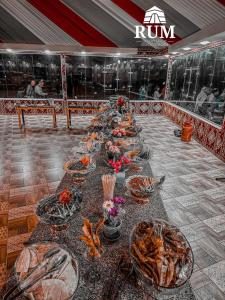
<point>96,276</point>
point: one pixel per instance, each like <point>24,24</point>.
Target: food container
<point>51,212</point>
<point>141,188</point>
<point>128,143</point>
<point>139,156</point>
<point>61,284</point>
<point>165,268</point>
<point>77,170</point>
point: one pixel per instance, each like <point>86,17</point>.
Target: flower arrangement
<point>112,210</point>
<point>121,102</point>
<point>118,165</point>
<point>112,151</point>
<point>119,132</point>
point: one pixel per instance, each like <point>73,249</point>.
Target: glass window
<point>198,83</point>
<point>93,77</point>
<point>18,70</point>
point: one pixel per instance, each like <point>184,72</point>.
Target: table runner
<point>92,209</point>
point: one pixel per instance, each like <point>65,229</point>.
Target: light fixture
<point>83,52</point>
<point>9,50</point>
<point>186,48</point>
<point>166,55</point>
<point>204,42</point>
<point>118,53</point>
<point>47,51</point>
<point>174,52</point>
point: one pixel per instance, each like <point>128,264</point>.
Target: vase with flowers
<point>113,152</point>
<point>121,105</point>
<point>113,212</point>
<point>119,166</point>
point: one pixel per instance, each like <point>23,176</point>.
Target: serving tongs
<point>57,263</point>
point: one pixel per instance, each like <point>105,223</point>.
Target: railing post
<point>63,75</point>
<point>168,79</point>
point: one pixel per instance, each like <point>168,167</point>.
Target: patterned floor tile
<point>217,223</point>
<point>216,273</point>
<point>209,292</point>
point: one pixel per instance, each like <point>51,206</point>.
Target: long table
<point>73,109</point>
<point>104,267</point>
<point>21,109</point>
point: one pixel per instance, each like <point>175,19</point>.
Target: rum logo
<point>154,16</point>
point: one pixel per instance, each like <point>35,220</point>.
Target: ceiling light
<point>47,51</point>
<point>9,50</point>
<point>204,42</point>
<point>174,52</point>
<point>186,48</point>
<point>83,52</point>
<point>117,53</point>
<point>167,55</point>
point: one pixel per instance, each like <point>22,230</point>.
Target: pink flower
<point>108,205</point>
<point>114,149</point>
<point>118,200</point>
<point>113,212</point>
<point>108,144</point>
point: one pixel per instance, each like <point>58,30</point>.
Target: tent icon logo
<point>154,15</point>
<point>154,26</point>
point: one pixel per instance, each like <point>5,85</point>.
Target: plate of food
<point>128,144</point>
<point>45,271</point>
<point>141,187</point>
<point>79,168</point>
<point>82,166</point>
<point>139,155</point>
<point>161,255</point>
<point>59,208</point>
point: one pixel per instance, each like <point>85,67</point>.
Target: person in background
<point>213,93</point>
<point>149,89</point>
<point>163,92</point>
<point>222,95</point>
<point>142,93</point>
<point>38,89</point>
<point>200,99</point>
<point>213,98</point>
<point>156,94</point>
<point>30,91</point>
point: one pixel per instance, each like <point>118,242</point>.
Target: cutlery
<point>56,265</point>
<point>47,255</point>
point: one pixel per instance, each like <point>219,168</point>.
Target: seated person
<point>30,91</point>
<point>201,99</point>
<point>38,89</point>
<point>157,93</point>
<point>213,99</point>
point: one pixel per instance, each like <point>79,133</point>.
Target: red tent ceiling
<point>100,23</point>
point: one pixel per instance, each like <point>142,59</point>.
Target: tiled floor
<point>31,166</point>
